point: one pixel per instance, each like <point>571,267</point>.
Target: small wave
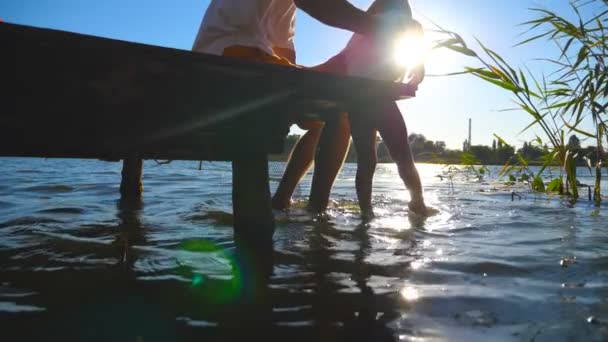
<point>487,267</point>
<point>6,291</point>
<point>50,188</point>
<point>105,173</point>
<point>463,229</point>
<point>63,210</point>
<point>297,324</point>
<point>28,221</point>
<point>217,216</point>
<point>165,277</point>
<point>539,242</point>
<point>4,204</point>
<point>195,323</point>
<point>28,171</point>
<point>12,307</point>
<point>17,294</point>
<point>99,231</point>
<point>176,178</point>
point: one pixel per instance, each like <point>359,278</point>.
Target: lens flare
<point>197,280</point>
<point>410,50</point>
<point>215,289</point>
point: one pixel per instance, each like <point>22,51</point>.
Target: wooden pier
<point>68,95</point>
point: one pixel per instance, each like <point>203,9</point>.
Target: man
<point>263,31</point>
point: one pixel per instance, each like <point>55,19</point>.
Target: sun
<point>411,50</point>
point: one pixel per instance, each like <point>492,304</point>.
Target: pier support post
<point>130,184</point>
<point>251,201</point>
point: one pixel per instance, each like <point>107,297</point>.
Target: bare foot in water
<point>281,204</point>
<point>419,208</point>
<point>367,215</point>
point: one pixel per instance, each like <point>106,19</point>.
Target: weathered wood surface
<point>72,95</point>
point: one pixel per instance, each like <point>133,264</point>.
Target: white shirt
<point>262,24</point>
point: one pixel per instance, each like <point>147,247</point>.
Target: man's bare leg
<point>333,146</point>
<point>300,160</point>
<point>303,154</point>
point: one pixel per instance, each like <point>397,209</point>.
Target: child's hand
<point>417,75</point>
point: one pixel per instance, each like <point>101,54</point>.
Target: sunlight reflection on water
<point>409,293</point>
<point>487,267</point>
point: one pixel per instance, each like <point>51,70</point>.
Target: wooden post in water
<point>251,201</point>
<point>130,184</point>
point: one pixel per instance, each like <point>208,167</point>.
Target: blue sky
<point>443,104</point>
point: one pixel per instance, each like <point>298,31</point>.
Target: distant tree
<point>531,153</point>
<point>440,147</point>
<point>504,153</point>
<point>451,157</point>
<point>417,143</point>
<point>483,153</point>
<point>574,143</point>
<point>416,138</point>
<point>429,151</point>
<point>382,152</point>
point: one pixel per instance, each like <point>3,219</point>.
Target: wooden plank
<point>73,95</point>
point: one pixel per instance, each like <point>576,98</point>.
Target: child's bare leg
<point>300,160</point>
<point>364,139</point>
<point>333,145</point>
<point>394,134</point>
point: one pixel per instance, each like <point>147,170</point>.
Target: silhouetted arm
<point>340,14</point>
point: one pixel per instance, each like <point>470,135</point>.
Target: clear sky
<point>443,104</point>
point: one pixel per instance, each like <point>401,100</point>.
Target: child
<point>372,57</point>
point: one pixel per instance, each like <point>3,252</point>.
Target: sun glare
<point>411,50</point>
<point>410,294</point>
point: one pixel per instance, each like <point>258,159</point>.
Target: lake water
<point>78,264</point>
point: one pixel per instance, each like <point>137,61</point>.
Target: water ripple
<point>485,268</point>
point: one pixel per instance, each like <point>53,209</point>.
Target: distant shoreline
<point>283,158</point>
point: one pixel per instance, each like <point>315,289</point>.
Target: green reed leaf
<point>482,72</point>
<point>579,131</point>
<point>556,185</point>
<point>500,83</point>
<point>463,50</point>
<point>538,184</point>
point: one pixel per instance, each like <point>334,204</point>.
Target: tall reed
<point>559,103</point>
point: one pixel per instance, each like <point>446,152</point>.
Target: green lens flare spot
<point>197,280</point>
<point>198,246</point>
